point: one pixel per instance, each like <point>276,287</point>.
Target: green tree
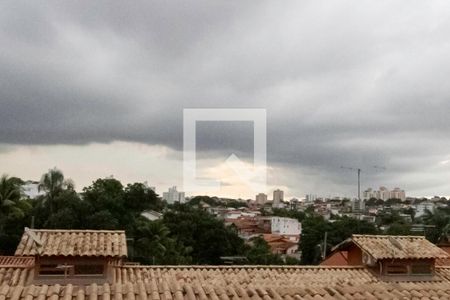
<point>207,236</point>
<point>10,200</point>
<point>259,253</point>
<point>107,200</point>
<point>53,183</point>
<point>152,240</point>
<point>314,228</point>
<point>344,227</point>
<point>399,229</point>
<point>138,197</point>
<point>289,213</point>
<point>14,213</point>
<point>440,219</point>
<point>313,231</point>
<point>195,201</point>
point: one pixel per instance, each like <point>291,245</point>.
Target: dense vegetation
<point>185,235</point>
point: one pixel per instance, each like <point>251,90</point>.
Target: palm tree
<point>153,239</point>
<point>53,183</point>
<point>9,191</point>
<point>440,220</point>
<point>10,199</point>
<point>445,234</point>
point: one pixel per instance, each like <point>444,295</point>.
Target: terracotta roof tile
<point>400,247</point>
<point>16,261</point>
<point>338,258</point>
<point>226,283</point>
<point>73,243</point>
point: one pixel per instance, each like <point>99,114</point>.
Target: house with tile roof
<point>337,258</point>
<point>394,257</point>
<point>73,255</point>
<point>18,279</point>
<point>281,245</point>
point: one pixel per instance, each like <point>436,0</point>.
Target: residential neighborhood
<point>224,150</point>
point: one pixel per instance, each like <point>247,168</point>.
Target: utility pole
<point>359,184</point>
<point>324,254</point>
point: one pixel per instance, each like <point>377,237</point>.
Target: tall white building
<point>278,197</point>
<point>358,205</point>
<point>173,196</point>
<point>310,198</point>
<point>397,193</point>
<point>261,199</point>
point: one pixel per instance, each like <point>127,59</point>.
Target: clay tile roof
<point>227,283</point>
<point>16,262</point>
<point>45,242</point>
<point>338,258</point>
<point>401,247</point>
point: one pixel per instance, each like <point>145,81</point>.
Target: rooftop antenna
<point>35,238</point>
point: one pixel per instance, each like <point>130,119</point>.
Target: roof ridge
<point>240,267</point>
<point>387,236</point>
<point>75,230</point>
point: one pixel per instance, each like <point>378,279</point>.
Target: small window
<point>88,270</point>
<point>396,269</point>
<point>421,269</point>
<point>54,269</point>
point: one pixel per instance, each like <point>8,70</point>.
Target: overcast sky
<point>98,89</point>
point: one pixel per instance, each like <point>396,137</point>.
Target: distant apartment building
<point>261,199</point>
<point>397,193</point>
<point>310,198</point>
<point>358,205</point>
<point>278,197</point>
<point>173,196</point>
<point>384,194</point>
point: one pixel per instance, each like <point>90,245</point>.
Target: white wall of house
<point>422,207</point>
<point>285,226</point>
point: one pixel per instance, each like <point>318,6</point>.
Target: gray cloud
<point>354,83</point>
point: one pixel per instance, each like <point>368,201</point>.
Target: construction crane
<point>358,170</point>
<point>359,179</point>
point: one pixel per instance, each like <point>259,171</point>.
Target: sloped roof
<point>16,261</point>
<point>444,261</point>
<point>230,283</point>
<point>400,247</point>
<point>110,243</point>
<point>338,258</point>
<point>278,242</point>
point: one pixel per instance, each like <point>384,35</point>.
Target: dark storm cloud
<point>352,83</point>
